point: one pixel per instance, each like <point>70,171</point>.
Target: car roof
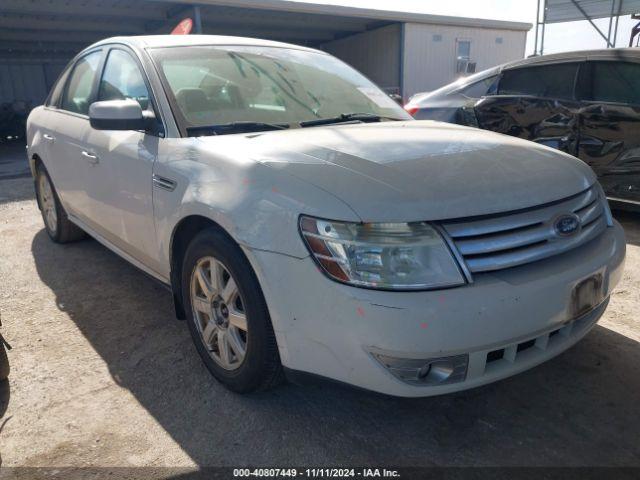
<point>632,53</point>
<point>158,41</point>
<point>629,54</point>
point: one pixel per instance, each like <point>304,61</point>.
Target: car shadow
<point>5,394</point>
<point>578,409</point>
<point>631,223</point>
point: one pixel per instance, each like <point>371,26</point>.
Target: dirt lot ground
<point>103,375</point>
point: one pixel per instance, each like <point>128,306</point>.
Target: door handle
<point>93,159</point>
<point>48,137</point>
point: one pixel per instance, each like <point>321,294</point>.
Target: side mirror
<point>119,115</point>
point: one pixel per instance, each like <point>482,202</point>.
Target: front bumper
<point>523,313</point>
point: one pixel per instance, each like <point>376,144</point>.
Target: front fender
<point>257,205</point>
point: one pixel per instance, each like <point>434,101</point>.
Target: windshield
<point>223,85</point>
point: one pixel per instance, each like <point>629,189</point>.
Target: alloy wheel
<point>48,203</point>
<point>219,313</point>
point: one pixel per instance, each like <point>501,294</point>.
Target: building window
<point>437,38</point>
<point>463,55</point>
<point>499,40</point>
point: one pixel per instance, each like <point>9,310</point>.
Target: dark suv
<point>584,103</point>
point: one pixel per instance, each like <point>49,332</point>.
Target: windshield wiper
<point>234,127</point>
<point>347,117</point>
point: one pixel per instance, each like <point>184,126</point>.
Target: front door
<point>610,126</point>
<point>535,103</point>
<point>120,183</point>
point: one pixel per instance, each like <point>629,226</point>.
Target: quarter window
<point>122,79</point>
<point>548,81</point>
<point>616,82</point>
<point>77,96</point>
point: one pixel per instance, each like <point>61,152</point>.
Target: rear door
<point>610,125</point>
<point>69,127</point>
<point>535,103</point>
<point>48,129</point>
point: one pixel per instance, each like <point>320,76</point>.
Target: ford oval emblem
<point>566,225</point>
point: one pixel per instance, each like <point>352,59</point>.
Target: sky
<point>558,38</point>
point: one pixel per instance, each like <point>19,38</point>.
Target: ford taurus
<point>306,223</point>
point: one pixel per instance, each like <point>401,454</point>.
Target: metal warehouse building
<point>403,53</point>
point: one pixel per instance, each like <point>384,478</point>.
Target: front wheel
<point>227,314</point>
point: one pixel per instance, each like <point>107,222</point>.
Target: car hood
<point>422,170</point>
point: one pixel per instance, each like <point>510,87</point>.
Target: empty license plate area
<point>587,295</point>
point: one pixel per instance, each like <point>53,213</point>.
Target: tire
<point>257,365</point>
<point>56,222</point>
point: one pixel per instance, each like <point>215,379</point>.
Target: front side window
<point>615,82</point>
<point>548,81</point>
<point>221,85</point>
<point>77,95</point>
<point>123,79</point>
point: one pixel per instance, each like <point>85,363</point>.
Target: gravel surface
<point>103,375</point>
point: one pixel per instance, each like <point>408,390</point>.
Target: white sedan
<point>306,224</point>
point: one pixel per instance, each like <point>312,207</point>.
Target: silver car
<point>306,224</point>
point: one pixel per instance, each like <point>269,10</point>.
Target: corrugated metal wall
<point>27,82</point>
<point>376,53</point>
<point>430,53</point>
<point>429,59</point>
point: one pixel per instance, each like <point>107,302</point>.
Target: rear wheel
<point>56,222</point>
<point>227,314</point>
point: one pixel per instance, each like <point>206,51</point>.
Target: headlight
<point>391,256</point>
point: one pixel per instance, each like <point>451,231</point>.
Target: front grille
<point>506,240</point>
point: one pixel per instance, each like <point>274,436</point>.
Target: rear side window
<point>615,82</point>
<point>549,81</point>
<point>56,93</point>
<point>77,95</point>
